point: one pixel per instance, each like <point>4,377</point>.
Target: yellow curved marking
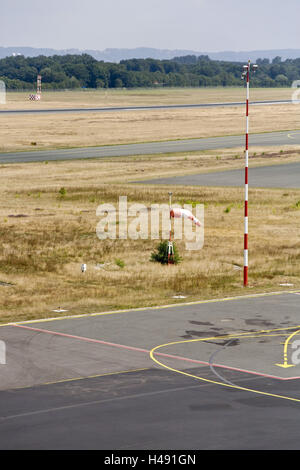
<point>237,387</point>
<point>257,335</point>
<point>286,343</point>
<point>250,334</point>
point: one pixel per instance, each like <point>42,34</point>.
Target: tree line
<point>83,71</point>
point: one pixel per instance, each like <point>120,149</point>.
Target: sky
<point>199,25</point>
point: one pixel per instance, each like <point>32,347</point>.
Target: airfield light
<point>246,76</point>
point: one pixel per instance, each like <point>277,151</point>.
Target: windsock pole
<point>246,76</point>
<point>170,244</point>
<point>246,180</point>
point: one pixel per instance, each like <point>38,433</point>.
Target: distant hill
<point>115,55</point>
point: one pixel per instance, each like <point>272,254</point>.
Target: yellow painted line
<point>238,335</point>
<point>79,378</point>
<point>237,387</point>
<point>142,309</point>
<point>285,358</point>
<point>259,332</point>
<point>251,334</point>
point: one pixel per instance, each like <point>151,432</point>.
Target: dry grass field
<point>49,131</point>
<point>140,97</point>
<point>46,233</point>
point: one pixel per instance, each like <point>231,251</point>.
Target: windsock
<point>177,212</point>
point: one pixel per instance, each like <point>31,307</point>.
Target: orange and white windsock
<point>177,212</point>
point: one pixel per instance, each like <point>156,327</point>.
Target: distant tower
<point>39,86</point>
<point>38,94</point>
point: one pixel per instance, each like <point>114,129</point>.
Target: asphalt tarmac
<point>139,108</point>
<point>192,376</point>
<point>151,148</point>
<point>273,176</point>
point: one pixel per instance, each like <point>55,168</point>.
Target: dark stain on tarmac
<point>232,342</point>
<point>207,323</point>
<point>257,322</point>
<point>200,334</point>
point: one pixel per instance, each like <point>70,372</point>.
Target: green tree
<point>160,255</point>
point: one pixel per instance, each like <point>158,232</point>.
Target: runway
<point>274,176</point>
<point>139,108</point>
<point>152,148</point>
<point>203,375</point>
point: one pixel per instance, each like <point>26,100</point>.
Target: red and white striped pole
<point>246,75</point>
<point>170,244</point>
<point>246,180</point>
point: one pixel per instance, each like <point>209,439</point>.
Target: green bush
<point>160,255</point>
<point>62,192</point>
<point>120,263</point>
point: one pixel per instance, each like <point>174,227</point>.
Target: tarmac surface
<point>272,176</point>
<point>204,375</point>
<point>151,148</point>
<point>140,108</point>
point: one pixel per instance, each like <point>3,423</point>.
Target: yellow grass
<point>140,97</point>
<point>45,236</point>
<point>47,131</point>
